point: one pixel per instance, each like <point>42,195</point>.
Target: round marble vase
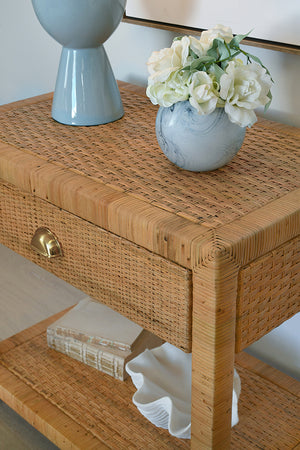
<point>86,92</point>
<point>195,142</point>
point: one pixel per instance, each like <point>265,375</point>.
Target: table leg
<point>214,315</point>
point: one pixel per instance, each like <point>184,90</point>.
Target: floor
<point>17,434</point>
<point>29,294</point>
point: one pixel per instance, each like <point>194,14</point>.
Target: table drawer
<point>144,287</point>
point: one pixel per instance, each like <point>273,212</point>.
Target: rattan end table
<point>209,262</point>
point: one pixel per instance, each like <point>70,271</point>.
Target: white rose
<point>202,93</point>
<point>196,46</point>
<point>161,64</point>
<point>244,88</point>
<point>182,48</point>
<point>180,81</point>
<point>174,90</point>
<point>158,94</point>
<point>160,60</point>
<point>219,31</point>
<point>168,60</point>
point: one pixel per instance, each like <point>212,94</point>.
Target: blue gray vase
<point>197,142</point>
<point>86,92</point>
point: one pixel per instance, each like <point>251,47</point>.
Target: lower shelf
<point>76,406</point>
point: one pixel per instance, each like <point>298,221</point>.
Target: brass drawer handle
<point>46,244</point>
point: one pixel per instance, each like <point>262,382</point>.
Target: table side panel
<point>268,293</point>
<point>142,286</point>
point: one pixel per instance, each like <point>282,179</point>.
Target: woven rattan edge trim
<point>147,225</point>
<point>253,235</point>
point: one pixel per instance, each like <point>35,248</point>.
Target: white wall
<point>29,59</point>
<point>131,45</point>
<point>28,65</point>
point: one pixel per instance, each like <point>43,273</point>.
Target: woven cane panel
<point>125,155</point>
<point>140,285</point>
<point>269,293</point>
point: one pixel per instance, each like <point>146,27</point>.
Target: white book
<point>94,323</point>
<point>108,360</point>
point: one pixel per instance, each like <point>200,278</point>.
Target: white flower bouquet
<point>208,73</point>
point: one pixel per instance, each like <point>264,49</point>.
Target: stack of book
<point>99,337</point>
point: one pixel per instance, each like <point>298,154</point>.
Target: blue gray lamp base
<point>86,92</point>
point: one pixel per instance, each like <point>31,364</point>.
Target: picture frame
<point>276,27</point>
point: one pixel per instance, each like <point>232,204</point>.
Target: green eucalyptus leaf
<point>206,59</point>
<point>269,102</point>
<point>213,51</point>
<point>224,51</point>
<point>256,59</point>
<point>223,63</point>
<point>217,71</point>
<point>186,68</point>
<point>193,54</point>
<point>198,64</point>
<point>235,42</point>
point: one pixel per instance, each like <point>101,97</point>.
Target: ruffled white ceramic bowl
<point>162,377</point>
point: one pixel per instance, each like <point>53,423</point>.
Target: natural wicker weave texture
<point>269,289</point>
<point>102,407</point>
<point>223,226</point>
<point>131,161</point>
<point>146,288</point>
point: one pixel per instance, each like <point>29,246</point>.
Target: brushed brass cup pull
<point>46,244</point>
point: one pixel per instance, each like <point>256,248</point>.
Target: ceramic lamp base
<point>86,92</point>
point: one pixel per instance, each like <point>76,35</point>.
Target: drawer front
<point>142,286</point>
<point>269,293</point>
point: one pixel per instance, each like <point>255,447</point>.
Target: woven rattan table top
<point>125,156</point>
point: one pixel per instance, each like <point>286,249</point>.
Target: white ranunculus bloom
<point>196,46</point>
<point>182,48</point>
<point>160,60</point>
<point>163,63</point>
<point>181,73</point>
<point>172,91</point>
<point>244,88</point>
<point>202,93</point>
<point>180,80</point>
<point>219,31</point>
